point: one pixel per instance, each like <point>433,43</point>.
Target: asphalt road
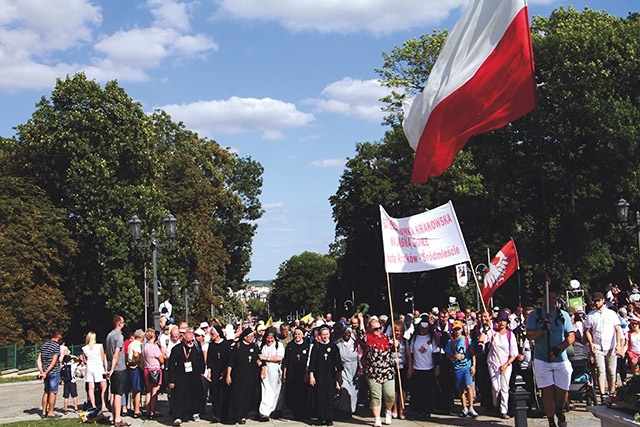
<point>21,402</point>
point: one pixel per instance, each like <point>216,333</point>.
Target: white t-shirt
<point>422,349</point>
<point>602,324</point>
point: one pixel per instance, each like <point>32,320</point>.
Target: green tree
<point>301,284</point>
<point>34,258</point>
<point>100,159</point>
<point>546,179</point>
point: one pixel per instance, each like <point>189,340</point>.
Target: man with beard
<point>186,365</point>
<point>243,375</point>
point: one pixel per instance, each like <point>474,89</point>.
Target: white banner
<point>422,242</point>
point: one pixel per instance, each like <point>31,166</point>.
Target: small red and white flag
<point>502,266</point>
<point>482,80</point>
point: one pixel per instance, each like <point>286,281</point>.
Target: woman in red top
<point>380,368</point>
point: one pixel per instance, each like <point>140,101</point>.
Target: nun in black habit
<point>243,376</point>
<point>325,375</point>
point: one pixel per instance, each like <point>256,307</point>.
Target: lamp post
<point>196,291</point>
<point>481,270</point>
<point>135,225</point>
<point>622,208</point>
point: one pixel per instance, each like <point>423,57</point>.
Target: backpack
<point>65,373</point>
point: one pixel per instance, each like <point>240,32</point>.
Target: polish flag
<point>483,79</point>
<point>502,266</point>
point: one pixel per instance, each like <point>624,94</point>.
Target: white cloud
<point>328,163</point>
<point>236,115</point>
<point>375,16</point>
<point>169,14</point>
<point>272,205</point>
<point>354,98</point>
<point>34,32</point>
<point>31,31</point>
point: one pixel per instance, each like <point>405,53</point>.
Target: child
<point>461,354</point>
<point>69,381</point>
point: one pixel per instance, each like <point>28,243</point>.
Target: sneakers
<point>196,417</point>
<point>388,416</point>
<point>464,412</point>
<point>177,422</point>
<point>472,413</point>
<point>378,422</point>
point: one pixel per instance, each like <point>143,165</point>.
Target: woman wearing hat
<point>379,370</point>
<point>502,352</point>
<point>633,343</point>
<point>243,376</point>
<point>423,356</point>
<point>325,373</point>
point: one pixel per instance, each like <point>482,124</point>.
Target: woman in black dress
<point>294,371</point>
<point>217,362</point>
<point>325,375</point>
<point>243,375</point>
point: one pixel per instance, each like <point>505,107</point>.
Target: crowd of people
<point>406,365</point>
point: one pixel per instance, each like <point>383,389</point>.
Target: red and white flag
<point>483,79</point>
<point>502,266</point>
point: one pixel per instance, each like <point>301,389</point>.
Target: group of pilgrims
<point>323,370</point>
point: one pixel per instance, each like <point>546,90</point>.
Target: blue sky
<point>290,83</point>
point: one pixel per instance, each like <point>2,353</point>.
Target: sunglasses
<point>189,341</point>
<point>377,329</point>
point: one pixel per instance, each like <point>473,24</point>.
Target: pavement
<point>21,402</point>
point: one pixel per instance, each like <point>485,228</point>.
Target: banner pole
<point>393,335</point>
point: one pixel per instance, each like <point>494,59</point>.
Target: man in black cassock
<point>325,375</point>
<point>217,362</point>
<point>186,366</point>
<point>243,375</point>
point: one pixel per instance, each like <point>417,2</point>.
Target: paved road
<point>21,402</point>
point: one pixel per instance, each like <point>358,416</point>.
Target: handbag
<point>154,377</point>
<point>79,372</point>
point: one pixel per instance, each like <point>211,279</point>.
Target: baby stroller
<point>581,388</point>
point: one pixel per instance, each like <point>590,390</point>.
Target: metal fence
<point>21,358</point>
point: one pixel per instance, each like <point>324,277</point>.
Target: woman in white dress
<point>350,353</point>
<point>502,353</point>
<point>271,355</point>
<point>96,362</point>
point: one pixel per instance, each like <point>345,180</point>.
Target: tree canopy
<point>96,158</point>
<point>301,284</point>
<point>550,179</point>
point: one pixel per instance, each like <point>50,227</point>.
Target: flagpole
<point>393,334</point>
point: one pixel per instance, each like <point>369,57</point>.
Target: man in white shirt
<point>604,336</point>
<point>166,304</point>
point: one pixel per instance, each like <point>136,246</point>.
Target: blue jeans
<point>52,382</point>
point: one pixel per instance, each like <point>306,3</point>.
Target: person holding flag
<point>552,332</point>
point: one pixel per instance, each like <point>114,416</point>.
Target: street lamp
<point>195,285</point>
<point>480,271</point>
<point>135,225</point>
<point>622,208</point>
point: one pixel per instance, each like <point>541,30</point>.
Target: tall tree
<point>34,259</point>
<point>301,285</point>
<point>546,179</point>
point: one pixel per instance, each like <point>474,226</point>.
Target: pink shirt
<point>151,354</point>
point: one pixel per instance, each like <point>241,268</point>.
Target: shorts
<point>70,389</point>
<point>379,391</point>
<point>135,379</point>
<point>548,374</point>
<point>119,382</point>
<point>147,383</point>
<point>52,382</point>
<point>462,378</point>
<point>94,375</point>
